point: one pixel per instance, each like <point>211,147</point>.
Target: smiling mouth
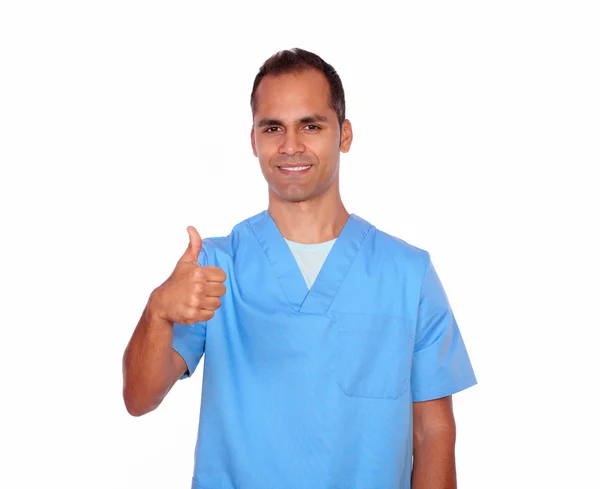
<point>294,169</point>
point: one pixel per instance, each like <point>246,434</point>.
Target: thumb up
<point>194,247</point>
<point>192,292</point>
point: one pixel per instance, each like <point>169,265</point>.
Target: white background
<point>476,137</point>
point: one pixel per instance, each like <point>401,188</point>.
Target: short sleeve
<point>189,339</point>
<point>441,364</point>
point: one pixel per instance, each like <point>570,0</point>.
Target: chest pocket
<point>373,355</point>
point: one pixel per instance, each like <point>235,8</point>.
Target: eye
<point>268,129</point>
<point>312,127</point>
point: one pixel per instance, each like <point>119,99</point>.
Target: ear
<point>253,142</point>
<point>346,136</point>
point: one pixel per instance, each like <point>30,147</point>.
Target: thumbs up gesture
<point>192,292</point>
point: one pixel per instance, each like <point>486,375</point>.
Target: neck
<point>312,221</point>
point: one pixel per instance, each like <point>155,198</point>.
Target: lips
<point>294,169</point>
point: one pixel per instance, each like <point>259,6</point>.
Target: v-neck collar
<point>318,299</point>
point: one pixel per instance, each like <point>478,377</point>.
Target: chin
<point>296,195</point>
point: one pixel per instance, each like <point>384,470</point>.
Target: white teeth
<point>296,168</point>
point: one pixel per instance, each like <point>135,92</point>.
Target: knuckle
<point>188,315</point>
<point>194,302</point>
<point>198,273</point>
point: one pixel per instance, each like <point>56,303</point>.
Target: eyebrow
<point>304,120</point>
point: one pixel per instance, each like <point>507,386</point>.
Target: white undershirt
<point>310,258</point>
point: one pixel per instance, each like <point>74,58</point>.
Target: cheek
<point>328,143</point>
<point>264,147</point>
<point>325,150</point>
<point>264,155</point>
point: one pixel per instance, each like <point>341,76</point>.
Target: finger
<point>211,303</point>
<point>194,246</point>
<point>214,289</point>
<point>214,274</point>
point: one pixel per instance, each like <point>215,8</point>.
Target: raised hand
<point>192,292</point>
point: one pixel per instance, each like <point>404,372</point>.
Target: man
<point>331,352</point>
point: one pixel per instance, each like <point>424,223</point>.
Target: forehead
<point>304,92</point>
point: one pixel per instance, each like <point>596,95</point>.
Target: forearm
<point>148,369</point>
<point>434,465</point>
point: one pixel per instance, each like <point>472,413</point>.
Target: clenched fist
<point>191,293</point>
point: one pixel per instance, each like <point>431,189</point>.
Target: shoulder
<point>222,248</point>
<point>388,247</point>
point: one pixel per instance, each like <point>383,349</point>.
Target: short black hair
<point>297,60</point>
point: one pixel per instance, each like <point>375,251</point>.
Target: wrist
<point>154,310</point>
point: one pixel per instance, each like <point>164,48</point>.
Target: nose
<point>291,144</point>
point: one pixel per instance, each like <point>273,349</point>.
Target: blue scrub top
<point>314,388</point>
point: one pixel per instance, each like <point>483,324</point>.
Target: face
<point>296,135</point>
